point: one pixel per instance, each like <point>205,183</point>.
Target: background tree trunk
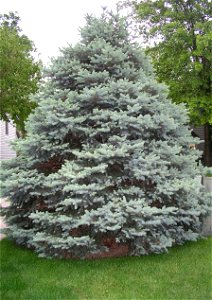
<point>208,145</point>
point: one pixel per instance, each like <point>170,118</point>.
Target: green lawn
<point>183,273</point>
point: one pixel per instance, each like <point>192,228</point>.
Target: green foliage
<point>106,165</point>
<point>19,74</point>
<point>181,39</point>
<point>208,172</point>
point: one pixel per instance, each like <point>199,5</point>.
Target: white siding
<point>5,148</point>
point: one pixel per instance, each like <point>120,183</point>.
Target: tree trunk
<point>208,145</point>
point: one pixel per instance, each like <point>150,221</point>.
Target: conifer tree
<point>105,168</point>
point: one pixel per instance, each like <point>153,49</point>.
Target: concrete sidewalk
<point>3,203</point>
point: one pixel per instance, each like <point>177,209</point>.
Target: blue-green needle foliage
<point>106,161</point>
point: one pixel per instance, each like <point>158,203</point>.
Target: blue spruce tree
<point>105,168</point>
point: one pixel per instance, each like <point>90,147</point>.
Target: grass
<point>183,273</point>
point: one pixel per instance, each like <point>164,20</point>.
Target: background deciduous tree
<point>19,73</point>
<point>179,35</point>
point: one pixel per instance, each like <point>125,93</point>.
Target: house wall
<point>7,134</point>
